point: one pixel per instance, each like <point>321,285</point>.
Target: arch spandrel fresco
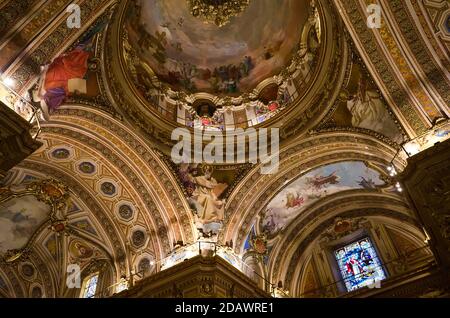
<point>25,210</point>
<point>190,55</point>
<point>314,186</point>
<point>361,105</point>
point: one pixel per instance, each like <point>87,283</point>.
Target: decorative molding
<point>317,231</point>
<point>256,190</point>
<point>90,202</point>
<point>133,143</point>
<point>51,192</point>
<point>366,38</point>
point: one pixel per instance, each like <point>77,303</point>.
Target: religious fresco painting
<point>362,106</point>
<point>205,196</point>
<point>20,218</point>
<point>80,250</point>
<point>193,56</point>
<point>359,264</point>
<point>316,185</point>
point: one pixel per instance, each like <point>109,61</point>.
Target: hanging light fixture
<point>218,12</point>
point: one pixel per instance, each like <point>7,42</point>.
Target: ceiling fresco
<point>314,186</point>
<point>24,209</point>
<point>80,250</point>
<point>362,106</point>
<point>269,59</point>
<point>19,220</point>
<point>206,188</point>
<point>190,55</point>
<point>106,195</point>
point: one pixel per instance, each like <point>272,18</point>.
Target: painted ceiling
<point>193,56</point>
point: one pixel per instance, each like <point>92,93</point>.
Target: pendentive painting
<point>362,106</point>
<point>206,188</point>
<point>194,56</point>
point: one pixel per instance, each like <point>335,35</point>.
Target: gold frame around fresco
<point>51,192</point>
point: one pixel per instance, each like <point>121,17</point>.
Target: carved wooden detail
<point>16,142</point>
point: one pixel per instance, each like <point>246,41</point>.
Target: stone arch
<point>255,190</point>
<point>160,192</point>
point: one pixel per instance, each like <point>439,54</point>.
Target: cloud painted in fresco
<point>313,186</point>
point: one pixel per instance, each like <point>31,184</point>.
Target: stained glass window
<point>90,286</point>
<point>359,264</point>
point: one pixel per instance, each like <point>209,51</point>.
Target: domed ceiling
<point>223,64</point>
<point>192,55</point>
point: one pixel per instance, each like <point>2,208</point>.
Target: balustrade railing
<point>21,106</point>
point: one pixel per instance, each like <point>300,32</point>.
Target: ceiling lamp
<point>218,12</point>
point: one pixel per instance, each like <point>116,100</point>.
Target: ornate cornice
<point>358,130</point>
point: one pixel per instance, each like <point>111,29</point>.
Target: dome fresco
<point>190,55</point>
